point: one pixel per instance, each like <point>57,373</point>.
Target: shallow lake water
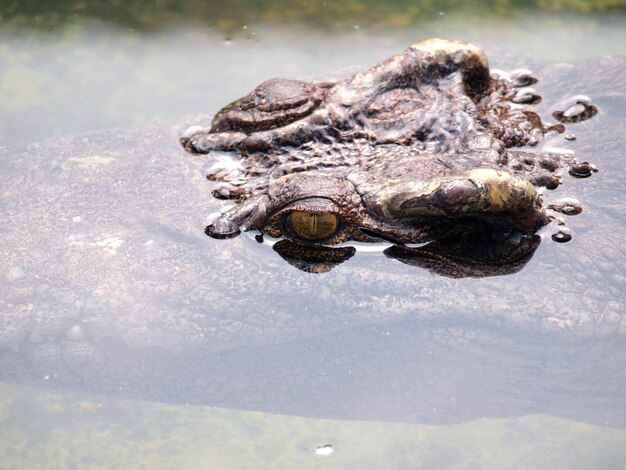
<point>129,339</point>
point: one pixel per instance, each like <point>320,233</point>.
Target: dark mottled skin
<point>400,152</point>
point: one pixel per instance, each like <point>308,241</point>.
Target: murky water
<point>78,431</point>
<point>109,286</point>
<point>83,77</point>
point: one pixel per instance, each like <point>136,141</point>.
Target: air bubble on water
<point>582,170</point>
<point>576,109</point>
<point>567,206</point>
<point>562,236</point>
<point>325,449</point>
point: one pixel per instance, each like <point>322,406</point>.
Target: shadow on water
<point>109,285</point>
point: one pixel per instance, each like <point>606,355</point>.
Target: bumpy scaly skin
<point>399,151</point>
<point>369,104</point>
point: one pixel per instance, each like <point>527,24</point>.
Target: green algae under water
<point>46,429</point>
<point>232,15</point>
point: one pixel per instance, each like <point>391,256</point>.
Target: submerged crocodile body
<point>109,285</point>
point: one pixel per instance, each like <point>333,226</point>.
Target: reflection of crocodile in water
<point>425,147</point>
<point>108,284</point>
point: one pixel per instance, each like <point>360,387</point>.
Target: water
<point>82,76</point>
<point>100,432</point>
<point>111,290</point>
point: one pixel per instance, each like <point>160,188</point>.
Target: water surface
<point>111,288</point>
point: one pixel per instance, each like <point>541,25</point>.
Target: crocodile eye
<point>313,226</point>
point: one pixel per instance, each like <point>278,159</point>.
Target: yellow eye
<point>313,226</point>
